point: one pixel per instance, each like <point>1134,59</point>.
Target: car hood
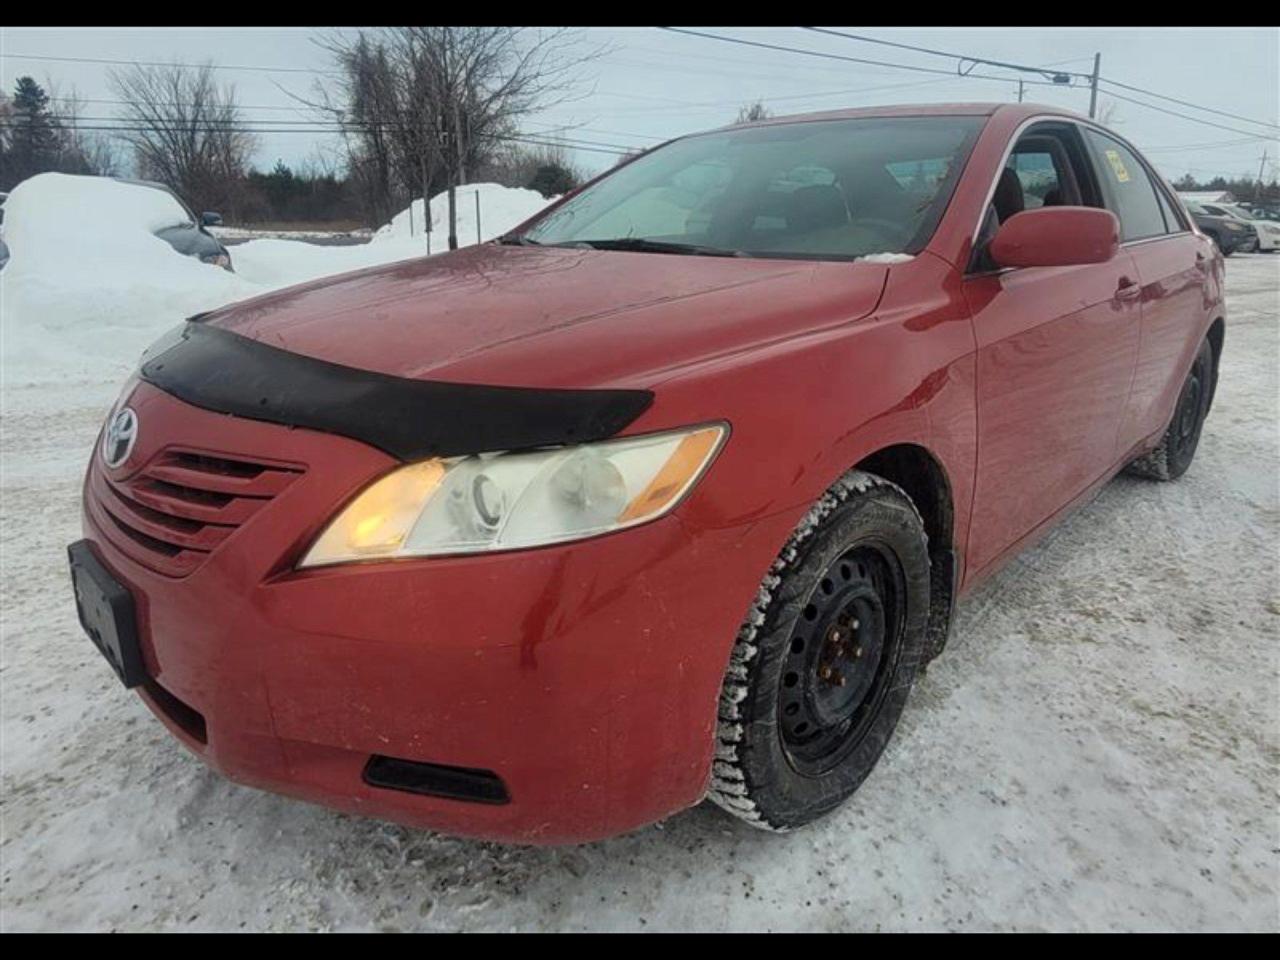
<point>554,317</point>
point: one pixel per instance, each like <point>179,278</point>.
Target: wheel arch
<point>924,479</point>
<point>1216,336</point>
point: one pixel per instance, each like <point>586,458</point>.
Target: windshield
<point>829,189</point>
<point>1240,212</point>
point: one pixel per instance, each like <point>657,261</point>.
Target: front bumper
<point>1268,241</point>
<point>584,676</point>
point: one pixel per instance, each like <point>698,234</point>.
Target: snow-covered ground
<point>1098,749</point>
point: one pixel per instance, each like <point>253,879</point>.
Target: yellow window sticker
<point>1117,166</point>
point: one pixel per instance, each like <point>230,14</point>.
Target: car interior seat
<point>1008,198</point>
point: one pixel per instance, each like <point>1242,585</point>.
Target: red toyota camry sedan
<point>667,494</point>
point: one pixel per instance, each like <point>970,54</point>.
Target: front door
<point>1056,348</point>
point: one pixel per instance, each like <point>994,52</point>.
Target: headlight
<point>511,501</point>
<point>1234,227</point>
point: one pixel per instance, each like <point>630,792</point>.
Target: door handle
<point>1128,290</point>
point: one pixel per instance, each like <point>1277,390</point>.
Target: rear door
<point>1173,265</point>
<point>1056,353</point>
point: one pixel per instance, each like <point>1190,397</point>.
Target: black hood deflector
<point>409,419</point>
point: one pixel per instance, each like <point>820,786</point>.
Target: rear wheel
<point>822,668</point>
<point>1177,448</point>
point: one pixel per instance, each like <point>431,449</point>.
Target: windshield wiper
<point>643,245</point>
<point>513,240</point>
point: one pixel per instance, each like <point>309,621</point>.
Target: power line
<point>942,53</point>
<point>738,101</point>
<point>1185,103</point>
<point>1174,113</point>
<point>162,63</point>
<point>308,126</point>
<point>836,56</point>
<point>171,103</point>
<point>279,107</point>
<point>1176,148</point>
<point>337,126</point>
<point>1013,66</point>
<point>119,128</point>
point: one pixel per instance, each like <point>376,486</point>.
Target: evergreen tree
<point>553,179</point>
<point>34,139</point>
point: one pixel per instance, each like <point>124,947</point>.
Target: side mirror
<point>210,219</point>
<point>1056,237</point>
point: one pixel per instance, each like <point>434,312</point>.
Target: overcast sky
<point>653,84</point>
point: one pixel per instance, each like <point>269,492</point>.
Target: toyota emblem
<point>117,442</point>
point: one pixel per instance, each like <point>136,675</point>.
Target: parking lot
<point>1098,749</point>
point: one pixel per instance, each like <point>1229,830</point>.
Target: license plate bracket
<point>107,613</point>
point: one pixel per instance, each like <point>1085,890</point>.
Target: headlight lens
<point>516,500</point>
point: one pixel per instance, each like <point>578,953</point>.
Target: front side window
<point>826,189</point>
<point>1130,193</point>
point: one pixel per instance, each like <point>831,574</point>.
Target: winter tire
<point>1177,448</point>
<point>821,669</point>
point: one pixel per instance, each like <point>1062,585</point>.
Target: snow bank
<point>501,208</point>
<point>278,263</point>
<point>88,285</point>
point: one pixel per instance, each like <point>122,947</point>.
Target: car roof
<point>1017,111</point>
<point>154,185</point>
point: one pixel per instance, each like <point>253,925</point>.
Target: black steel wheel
<point>823,666</point>
<point>840,656</point>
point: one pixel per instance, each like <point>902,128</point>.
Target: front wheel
<point>1177,448</point>
<point>821,669</point>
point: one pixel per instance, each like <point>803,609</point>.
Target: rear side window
<point>1172,221</point>
<point>1130,193</point>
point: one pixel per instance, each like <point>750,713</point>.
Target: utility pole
<point>1019,91</point>
<point>454,172</point>
<point>1093,86</point>
<point>1257,192</point>
<point>426,199</point>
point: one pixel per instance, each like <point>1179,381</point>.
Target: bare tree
<point>185,131</point>
<point>752,112</point>
<point>422,108</point>
<point>80,151</point>
<point>1109,113</point>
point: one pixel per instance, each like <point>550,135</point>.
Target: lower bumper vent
<point>436,780</point>
<point>186,717</point>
